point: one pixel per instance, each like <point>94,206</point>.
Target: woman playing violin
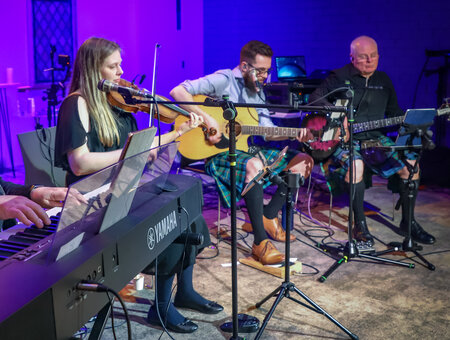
<point>90,132</point>
<point>90,135</point>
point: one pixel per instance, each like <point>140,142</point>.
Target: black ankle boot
<point>417,232</point>
<point>361,233</point>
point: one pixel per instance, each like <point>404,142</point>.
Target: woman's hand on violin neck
<point>194,122</point>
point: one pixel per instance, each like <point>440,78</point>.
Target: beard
<point>249,82</point>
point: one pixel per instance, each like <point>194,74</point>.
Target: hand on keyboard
<point>24,209</point>
<point>50,197</point>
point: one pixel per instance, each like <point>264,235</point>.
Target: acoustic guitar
<point>195,146</point>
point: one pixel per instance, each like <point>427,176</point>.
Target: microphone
<point>194,239</point>
<point>255,80</point>
<point>108,86</point>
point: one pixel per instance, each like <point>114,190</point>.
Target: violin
<point>168,112</point>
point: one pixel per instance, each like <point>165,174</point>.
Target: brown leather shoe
<point>266,253</point>
<point>272,227</point>
<point>275,230</point>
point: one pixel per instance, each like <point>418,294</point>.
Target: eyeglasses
<point>261,71</point>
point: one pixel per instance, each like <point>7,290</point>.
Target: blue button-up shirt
<point>231,83</point>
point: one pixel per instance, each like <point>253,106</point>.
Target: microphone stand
<point>52,92</point>
<point>52,97</point>
<point>150,121</point>
<point>230,113</point>
<point>350,250</point>
<point>166,186</point>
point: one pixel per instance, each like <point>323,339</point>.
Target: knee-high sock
<point>254,201</point>
<point>185,288</point>
<point>278,199</point>
<point>358,201</point>
<point>164,284</point>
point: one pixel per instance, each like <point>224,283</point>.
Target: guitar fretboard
<point>269,131</point>
<point>376,124</point>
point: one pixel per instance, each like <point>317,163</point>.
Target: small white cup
<point>139,282</point>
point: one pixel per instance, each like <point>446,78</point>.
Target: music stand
<point>108,196</point>
<point>127,175</point>
<point>413,135</point>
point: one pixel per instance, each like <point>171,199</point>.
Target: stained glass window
<point>52,36</point>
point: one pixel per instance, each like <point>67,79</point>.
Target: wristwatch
<point>34,186</point>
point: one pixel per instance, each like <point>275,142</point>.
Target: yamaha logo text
<point>157,233</point>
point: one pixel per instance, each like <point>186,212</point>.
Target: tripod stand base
<point>348,255</point>
<point>295,268</point>
<point>284,291</point>
<point>408,245</point>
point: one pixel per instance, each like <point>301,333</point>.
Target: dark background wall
<point>322,32</point>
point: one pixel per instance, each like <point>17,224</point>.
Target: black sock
<point>170,314</point>
<point>254,202</point>
<point>358,201</point>
<point>278,199</point>
<point>185,289</point>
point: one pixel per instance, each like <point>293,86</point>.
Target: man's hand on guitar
<point>305,135</point>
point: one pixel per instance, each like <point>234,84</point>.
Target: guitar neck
<point>269,131</point>
<point>376,124</point>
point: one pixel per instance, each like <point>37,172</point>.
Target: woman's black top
<point>70,134</point>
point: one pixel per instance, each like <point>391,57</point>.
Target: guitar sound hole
<point>237,127</point>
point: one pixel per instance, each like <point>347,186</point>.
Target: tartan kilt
<point>384,163</point>
<point>218,167</point>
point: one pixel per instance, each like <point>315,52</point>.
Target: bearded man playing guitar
<point>374,97</point>
<point>243,85</point>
